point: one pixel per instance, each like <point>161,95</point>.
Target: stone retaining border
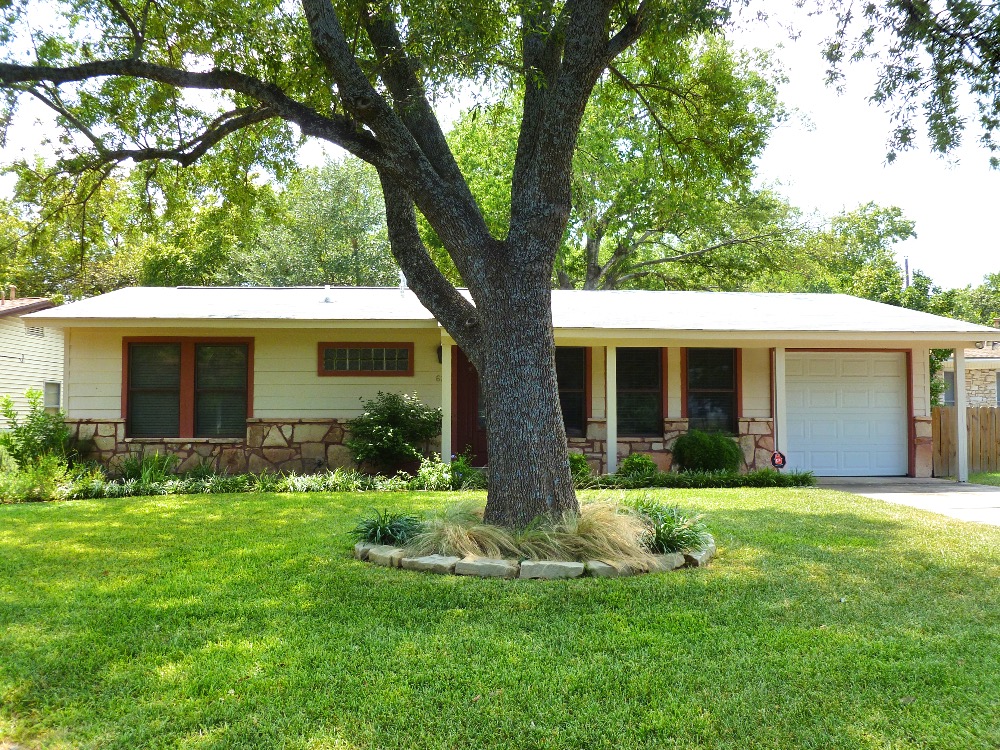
<point>389,556</point>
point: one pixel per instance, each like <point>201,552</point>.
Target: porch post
<point>446,387</point>
<point>962,438</point>
<point>780,418</point>
<point>611,407</point>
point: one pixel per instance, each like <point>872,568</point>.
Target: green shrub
<point>637,465</point>
<point>703,451</point>
<point>148,468</point>
<point>670,530</point>
<point>201,470</point>
<point>387,528</point>
<point>579,467</point>
<point>35,435</point>
<point>465,476</point>
<point>433,474</point>
<point>392,431</point>
<point>45,478</point>
<point>7,463</point>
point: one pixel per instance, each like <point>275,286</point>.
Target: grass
<point>986,477</point>
<point>241,621</point>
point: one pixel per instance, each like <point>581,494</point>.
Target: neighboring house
<point>31,356</point>
<point>982,375</point>
<point>257,378</point>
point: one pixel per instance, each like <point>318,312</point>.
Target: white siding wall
<point>286,383</point>
<point>921,383</point>
<point>756,383</point>
<point>43,360</point>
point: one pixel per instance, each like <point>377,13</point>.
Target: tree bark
<point>528,466</point>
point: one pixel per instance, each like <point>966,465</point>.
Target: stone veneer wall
<point>981,387</point>
<point>756,441</point>
<point>301,445</point>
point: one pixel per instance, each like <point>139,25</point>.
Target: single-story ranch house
<point>265,378</point>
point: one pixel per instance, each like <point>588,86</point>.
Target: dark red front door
<point>470,414</point>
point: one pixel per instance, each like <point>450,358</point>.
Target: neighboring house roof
<point>24,305</point>
<point>621,311</point>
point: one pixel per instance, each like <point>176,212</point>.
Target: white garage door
<point>846,413</point>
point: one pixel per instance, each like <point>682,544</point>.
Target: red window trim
<point>187,344</point>
<point>408,345</point>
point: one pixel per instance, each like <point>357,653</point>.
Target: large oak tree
<point>363,75</point>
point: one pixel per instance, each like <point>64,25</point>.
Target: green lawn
<point>986,478</point>
<point>242,621</point>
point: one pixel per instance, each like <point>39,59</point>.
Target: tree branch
<point>334,128</point>
<point>458,316</point>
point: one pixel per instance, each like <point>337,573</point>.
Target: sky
<point>828,157</point>
<point>831,154</point>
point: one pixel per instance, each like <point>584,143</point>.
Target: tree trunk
<point>528,466</point>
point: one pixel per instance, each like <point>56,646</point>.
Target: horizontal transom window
<point>386,359</point>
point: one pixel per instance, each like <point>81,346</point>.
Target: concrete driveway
<point>967,502</point>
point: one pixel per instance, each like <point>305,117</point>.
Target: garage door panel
<point>821,368</point>
<point>856,398</point>
<point>822,398</point>
<point>857,429</point>
<point>886,368</point>
<point>821,429</point>
<point>853,368</point>
<point>846,413</point>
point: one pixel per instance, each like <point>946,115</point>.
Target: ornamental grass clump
<point>601,531</point>
<point>669,530</point>
<point>383,527</point>
<point>458,529</point>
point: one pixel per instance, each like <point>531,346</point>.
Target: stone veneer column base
<point>923,447</point>
<point>756,440</point>
<point>300,445</point>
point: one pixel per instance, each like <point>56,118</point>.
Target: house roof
<point>23,305</point>
<point>579,311</point>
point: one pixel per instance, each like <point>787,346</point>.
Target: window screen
<point>220,392</point>
<point>640,392</point>
<point>154,390</point>
<point>711,390</point>
<point>571,374</point>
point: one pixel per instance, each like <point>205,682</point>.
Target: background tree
<point>930,54</point>
<point>328,227</point>
<point>662,194</point>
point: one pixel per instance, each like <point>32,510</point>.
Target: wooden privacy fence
<point>984,439</point>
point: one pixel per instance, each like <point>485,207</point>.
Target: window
<point>571,375</point>
<point>52,397</point>
<point>385,359</point>
<point>640,392</point>
<point>711,390</point>
<point>948,397</point>
<point>187,388</point>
